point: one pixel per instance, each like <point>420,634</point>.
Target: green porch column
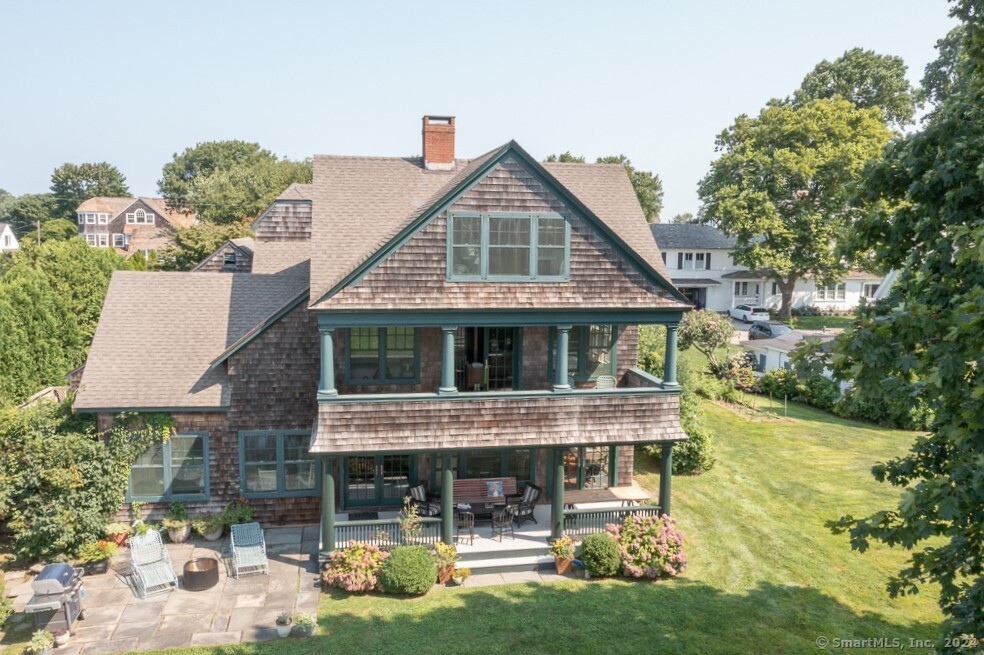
<point>447,507</point>
<point>560,379</point>
<point>447,362</point>
<point>670,363</point>
<point>327,382</point>
<point>327,508</point>
<point>557,507</point>
<point>665,474</point>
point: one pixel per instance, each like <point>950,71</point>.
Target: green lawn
<point>817,322</point>
<point>765,576</point>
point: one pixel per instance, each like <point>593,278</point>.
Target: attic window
<point>139,217</point>
<point>508,247</point>
<point>230,260</point>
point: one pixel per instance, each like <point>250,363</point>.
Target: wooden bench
<point>476,490</point>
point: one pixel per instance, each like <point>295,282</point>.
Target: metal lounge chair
<point>248,549</point>
<point>464,521</point>
<point>502,520</point>
<point>527,503</point>
<point>150,565</point>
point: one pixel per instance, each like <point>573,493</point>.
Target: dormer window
<point>139,217</point>
<point>508,247</point>
<point>230,260</point>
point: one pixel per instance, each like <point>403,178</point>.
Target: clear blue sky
<point>133,83</point>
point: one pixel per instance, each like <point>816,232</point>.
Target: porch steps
<point>508,564</point>
<point>520,554</point>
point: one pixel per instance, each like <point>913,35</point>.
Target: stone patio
<point>234,611</point>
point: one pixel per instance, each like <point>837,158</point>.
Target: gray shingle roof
<point>683,236</point>
<point>159,331</point>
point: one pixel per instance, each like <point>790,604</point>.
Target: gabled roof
<point>4,227</point>
<point>369,203</point>
<point>687,236</point>
<point>242,244</point>
<point>116,206</point>
<point>140,361</point>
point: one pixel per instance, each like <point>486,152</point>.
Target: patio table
<point>627,495</point>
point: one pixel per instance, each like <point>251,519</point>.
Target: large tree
<point>30,209</point>
<point>648,187</point>
<point>194,244</point>
<point>72,184</point>
<point>226,181</point>
<point>685,217</point>
<point>783,184</point>
<point>867,79</point>
<point>926,340</point>
<point>941,75</point>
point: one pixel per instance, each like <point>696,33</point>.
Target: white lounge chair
<point>248,549</point>
<point>151,565</point>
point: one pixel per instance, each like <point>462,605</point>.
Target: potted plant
<point>284,621</point>
<point>305,623</point>
<point>94,556</point>
<point>563,553</point>
<point>445,556</point>
<point>238,511</point>
<point>41,642</point>
<point>460,575</point>
<point>209,526</point>
<point>176,523</point>
<point>118,533</point>
<point>61,637</point>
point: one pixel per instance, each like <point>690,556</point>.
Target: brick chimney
<point>439,143</point>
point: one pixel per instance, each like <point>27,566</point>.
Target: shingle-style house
<point>130,225</point>
<point>8,240</point>
<point>403,316</point>
<point>699,259</point>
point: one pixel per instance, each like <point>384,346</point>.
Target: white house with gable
<point>8,240</point>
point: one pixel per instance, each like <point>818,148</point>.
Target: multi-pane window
<point>870,289</point>
<point>746,288</point>
<point>119,241</point>
<point>102,219</point>
<point>103,240</point>
<point>382,355</point>
<point>489,464</point>
<point>487,246</point>
<point>92,239</point>
<point>693,261</point>
<point>139,217</point>
<point>277,464</point>
<point>832,292</point>
<point>172,470</point>
<point>590,351</point>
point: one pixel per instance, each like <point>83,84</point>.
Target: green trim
<point>281,491</point>
<point>613,467</point>
<point>437,463</point>
<point>284,201</point>
<point>518,360</point>
<point>259,329</point>
<point>117,410</point>
<point>377,500</point>
<point>168,495</point>
<point>381,354</point>
<point>490,317</point>
<point>365,398</point>
<point>582,352</point>
<point>543,176</point>
<point>485,246</point>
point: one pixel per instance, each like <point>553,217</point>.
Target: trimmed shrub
<point>600,554</point>
<point>819,391</point>
<point>354,568</point>
<point>779,382</point>
<point>408,570</point>
<point>650,546</point>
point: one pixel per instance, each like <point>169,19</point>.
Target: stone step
<point>536,562</point>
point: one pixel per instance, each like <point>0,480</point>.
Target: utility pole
<point>39,231</point>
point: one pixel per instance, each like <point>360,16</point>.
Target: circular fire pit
<point>201,573</point>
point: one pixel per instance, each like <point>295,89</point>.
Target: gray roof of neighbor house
<point>686,236</point>
<point>189,318</point>
<point>364,202</point>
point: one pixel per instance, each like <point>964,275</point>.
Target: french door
<point>487,358</point>
<point>376,480</point>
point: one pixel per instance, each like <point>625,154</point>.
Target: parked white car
<point>747,313</point>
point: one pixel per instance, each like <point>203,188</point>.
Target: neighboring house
<point>48,394</point>
<point>700,263</point>
<point>233,256</point>
<point>8,240</point>
<point>403,317</point>
<point>776,353</point>
<point>130,225</point>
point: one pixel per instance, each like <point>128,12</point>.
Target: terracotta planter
<point>180,535</point>
<point>444,574</point>
<point>120,538</point>
<point>563,565</point>
<point>96,568</point>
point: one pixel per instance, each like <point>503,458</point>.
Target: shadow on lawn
<point>594,617</point>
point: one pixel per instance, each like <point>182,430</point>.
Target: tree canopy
<point>685,217</point>
<point>648,187</point>
<point>199,241</point>
<point>926,340</point>
<point>707,332</point>
<point>26,211</point>
<point>940,76</point>
<point>867,79</point>
<point>227,181</point>
<point>565,157</point>
<point>72,184</point>
<point>783,185</point>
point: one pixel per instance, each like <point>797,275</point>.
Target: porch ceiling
<point>409,426</point>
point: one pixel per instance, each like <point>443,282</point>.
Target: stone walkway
<point>233,611</point>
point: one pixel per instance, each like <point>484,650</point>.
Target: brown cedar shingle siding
<point>285,221</point>
<point>215,263</point>
<point>402,426</point>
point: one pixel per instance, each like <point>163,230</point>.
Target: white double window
<point>832,292</point>
<point>139,217</point>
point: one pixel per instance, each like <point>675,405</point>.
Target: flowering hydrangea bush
<point>651,546</point>
<point>354,568</point>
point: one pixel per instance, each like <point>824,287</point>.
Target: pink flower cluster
<point>651,546</point>
<point>354,568</point>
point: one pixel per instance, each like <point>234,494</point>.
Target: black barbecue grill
<point>59,599</point>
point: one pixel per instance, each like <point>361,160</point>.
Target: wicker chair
<point>464,521</point>
<point>527,504</point>
<point>248,549</point>
<point>418,496</point>
<point>502,520</point>
<point>151,565</point>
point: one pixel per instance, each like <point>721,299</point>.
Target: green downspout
<point>327,509</point>
<point>665,474</point>
<point>447,507</point>
<point>557,508</point>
